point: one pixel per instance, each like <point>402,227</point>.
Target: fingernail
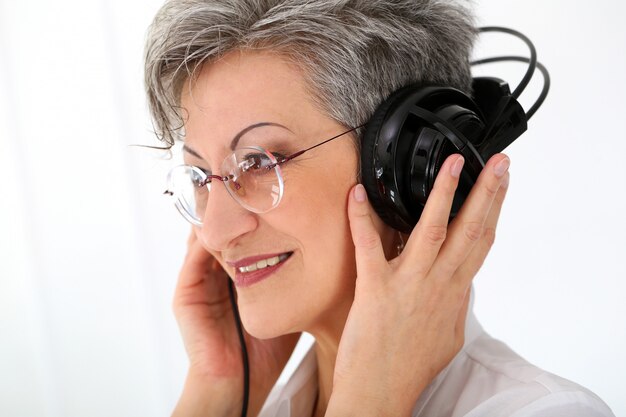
<point>505,181</point>
<point>502,167</point>
<point>359,193</point>
<point>455,171</point>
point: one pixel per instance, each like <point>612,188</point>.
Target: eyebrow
<point>235,141</point>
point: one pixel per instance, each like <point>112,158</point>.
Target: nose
<point>224,219</point>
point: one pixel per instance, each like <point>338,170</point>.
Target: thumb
<point>370,257</point>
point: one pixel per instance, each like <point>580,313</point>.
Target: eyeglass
<point>252,176</point>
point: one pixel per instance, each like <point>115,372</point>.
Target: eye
<point>256,163</point>
<point>198,177</point>
<point>279,156</point>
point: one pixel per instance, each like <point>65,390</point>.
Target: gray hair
<point>354,53</point>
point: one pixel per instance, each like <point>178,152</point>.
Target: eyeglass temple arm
<point>294,155</point>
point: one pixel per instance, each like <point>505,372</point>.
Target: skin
<point>342,283</point>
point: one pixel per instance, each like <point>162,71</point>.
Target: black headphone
<point>411,134</point>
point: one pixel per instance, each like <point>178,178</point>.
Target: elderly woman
<point>255,89</point>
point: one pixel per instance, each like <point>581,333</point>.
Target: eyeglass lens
<point>253,179</point>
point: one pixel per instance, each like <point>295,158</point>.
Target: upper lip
<point>252,259</point>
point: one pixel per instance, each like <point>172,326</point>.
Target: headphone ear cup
<point>397,217</point>
<point>426,157</point>
<point>428,154</point>
<point>467,179</point>
<point>405,144</point>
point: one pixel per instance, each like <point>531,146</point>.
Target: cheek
<point>317,209</point>
<point>321,225</point>
<point>313,215</point>
<point>321,277</point>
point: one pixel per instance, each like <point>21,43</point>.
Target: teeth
<point>264,263</point>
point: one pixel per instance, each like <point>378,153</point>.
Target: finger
<point>192,237</point>
<point>197,264</point>
<point>201,278</point>
<point>462,316</point>
<point>430,232</point>
<point>368,249</point>
<point>467,228</point>
<point>477,256</point>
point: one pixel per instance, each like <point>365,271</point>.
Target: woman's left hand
<point>407,320</point>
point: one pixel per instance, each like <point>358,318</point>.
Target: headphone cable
<point>544,72</point>
<point>244,350</point>
<point>532,60</point>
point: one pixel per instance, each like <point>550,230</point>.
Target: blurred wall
<point>89,247</point>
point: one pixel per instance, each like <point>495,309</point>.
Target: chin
<point>266,324</point>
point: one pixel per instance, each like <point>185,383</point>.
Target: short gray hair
<point>354,53</point>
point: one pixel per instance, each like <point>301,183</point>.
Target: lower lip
<point>246,279</point>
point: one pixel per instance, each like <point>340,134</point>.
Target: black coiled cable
<point>244,350</point>
<point>532,64</point>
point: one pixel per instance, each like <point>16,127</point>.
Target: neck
<point>326,354</point>
<point>328,334</point>
<point>326,346</point>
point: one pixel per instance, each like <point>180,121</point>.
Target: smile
<point>264,263</point>
<point>258,270</point>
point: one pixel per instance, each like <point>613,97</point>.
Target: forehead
<point>243,88</point>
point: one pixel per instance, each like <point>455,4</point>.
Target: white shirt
<point>485,379</point>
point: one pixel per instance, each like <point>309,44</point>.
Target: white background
<point>89,248</point>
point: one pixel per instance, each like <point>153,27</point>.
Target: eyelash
<point>279,155</point>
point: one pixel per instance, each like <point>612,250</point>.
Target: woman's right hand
<point>202,307</point>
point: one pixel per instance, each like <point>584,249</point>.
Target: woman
<point>303,247</point>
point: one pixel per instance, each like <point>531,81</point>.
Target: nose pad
<point>224,219</point>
